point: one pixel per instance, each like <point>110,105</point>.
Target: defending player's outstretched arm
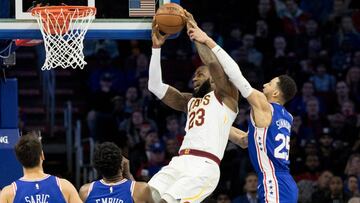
<point>261,109</point>
<point>169,95</point>
<point>223,87</point>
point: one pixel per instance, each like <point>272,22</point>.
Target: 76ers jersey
<point>40,191</point>
<point>269,153</point>
<point>208,125</point>
<point>120,192</point>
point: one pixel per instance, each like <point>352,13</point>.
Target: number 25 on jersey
<point>282,151</point>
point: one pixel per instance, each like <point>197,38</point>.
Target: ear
<point>276,93</point>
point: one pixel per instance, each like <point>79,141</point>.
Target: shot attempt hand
<point>157,38</point>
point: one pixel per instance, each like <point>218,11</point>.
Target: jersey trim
<point>14,187</point>
<point>90,188</point>
<point>132,188</point>
<point>35,180</point>
<point>112,184</point>
<point>58,183</point>
<point>266,166</point>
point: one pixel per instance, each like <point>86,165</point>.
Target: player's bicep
<point>176,100</point>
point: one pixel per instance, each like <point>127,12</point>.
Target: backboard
<point>115,19</point>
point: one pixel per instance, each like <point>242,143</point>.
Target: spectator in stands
<point>326,151</point>
<point>173,129</point>
<point>100,120</point>
<point>254,56</point>
<point>223,197</point>
<point>356,59</point>
<point>353,165</point>
<point>298,104</point>
<point>311,169</point>
<point>320,10</point>
<point>133,125</point>
<point>347,32</point>
<point>322,187</point>
<point>250,189</point>
<point>342,95</point>
<point>293,18</point>
<point>172,148</point>
<point>266,13</point>
<point>337,193</point>
<point>322,80</point>
<point>131,100</point>
<point>313,119</point>
<point>354,200</point>
<point>300,133</point>
<point>280,60</point>
<point>140,153</point>
<point>352,186</point>
<point>155,162</point>
<point>353,80</point>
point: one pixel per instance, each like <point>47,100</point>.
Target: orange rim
<point>78,11</point>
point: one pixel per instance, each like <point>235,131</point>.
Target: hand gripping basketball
<point>157,38</point>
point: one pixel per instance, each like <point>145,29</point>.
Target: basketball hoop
<point>63,29</point>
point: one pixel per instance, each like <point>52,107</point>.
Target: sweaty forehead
<point>202,69</point>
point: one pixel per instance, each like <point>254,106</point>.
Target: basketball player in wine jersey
<point>211,110</point>
<point>269,129</point>
<point>36,186</point>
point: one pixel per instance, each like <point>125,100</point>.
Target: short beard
<point>203,89</point>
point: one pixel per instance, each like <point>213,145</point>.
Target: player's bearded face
<point>203,89</point>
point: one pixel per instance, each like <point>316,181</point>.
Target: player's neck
<point>274,100</point>
<point>34,173</point>
<point>114,179</point>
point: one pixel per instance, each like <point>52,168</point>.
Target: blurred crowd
<point>315,42</point>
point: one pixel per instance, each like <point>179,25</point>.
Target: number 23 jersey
<point>208,125</point>
<point>269,147</point>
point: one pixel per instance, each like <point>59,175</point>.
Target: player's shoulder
<point>85,188</point>
<point>142,191</point>
<point>7,191</point>
<point>84,191</point>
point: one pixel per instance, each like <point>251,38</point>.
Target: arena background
<point>315,42</point>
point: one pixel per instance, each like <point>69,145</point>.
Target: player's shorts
<point>187,178</point>
<point>280,187</point>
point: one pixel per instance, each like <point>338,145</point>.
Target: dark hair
<point>287,87</point>
<point>107,159</point>
<point>28,150</point>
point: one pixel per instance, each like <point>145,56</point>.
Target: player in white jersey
<point>211,110</point>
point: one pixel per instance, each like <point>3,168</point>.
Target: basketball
<point>169,18</point>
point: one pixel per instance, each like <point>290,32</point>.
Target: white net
<point>63,30</point>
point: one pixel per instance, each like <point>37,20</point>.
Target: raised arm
<point>169,95</point>
<point>260,106</point>
<point>223,86</point>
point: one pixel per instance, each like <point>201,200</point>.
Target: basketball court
<point>19,30</point>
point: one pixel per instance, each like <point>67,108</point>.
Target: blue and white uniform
<point>269,154</point>
<point>44,190</point>
<point>120,192</point>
